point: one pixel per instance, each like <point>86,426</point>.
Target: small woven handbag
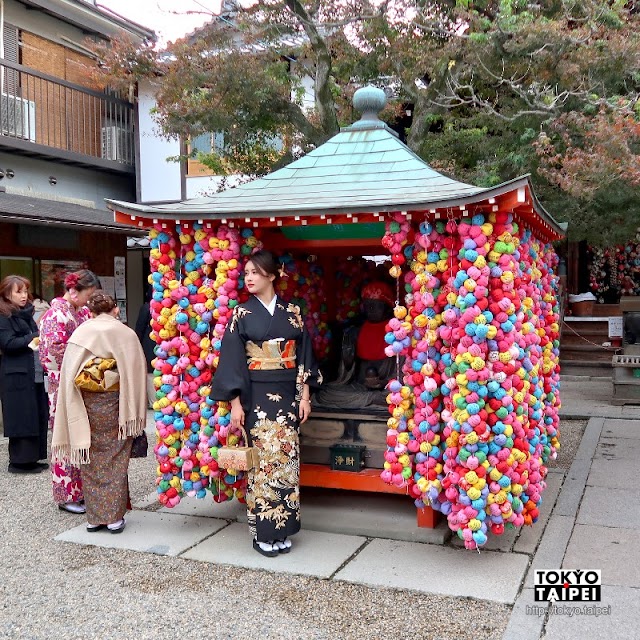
<point>239,458</point>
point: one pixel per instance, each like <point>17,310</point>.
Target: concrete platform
<point>616,550</point>
<point>362,514</point>
<point>618,448</point>
<point>206,508</point>
<point>316,554</point>
<point>434,569</point>
<point>607,507</point>
<point>366,514</point>
<point>162,534</point>
<point>612,473</point>
<point>621,429</point>
<point>621,624</point>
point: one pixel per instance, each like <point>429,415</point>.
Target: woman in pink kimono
<point>56,327</point>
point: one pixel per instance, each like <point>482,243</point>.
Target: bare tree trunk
<point>325,104</point>
<point>418,131</point>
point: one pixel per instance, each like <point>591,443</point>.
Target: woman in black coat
<point>24,401</point>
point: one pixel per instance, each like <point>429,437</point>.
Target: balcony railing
<point>70,120</point>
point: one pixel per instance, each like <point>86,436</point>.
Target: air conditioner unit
<point>117,144</point>
<point>17,117</point>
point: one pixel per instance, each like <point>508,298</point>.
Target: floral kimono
<point>266,360</point>
<point>56,326</point>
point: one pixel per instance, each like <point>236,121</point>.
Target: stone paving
<point>588,520</point>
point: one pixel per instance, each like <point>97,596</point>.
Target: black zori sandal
<point>265,548</point>
<point>92,528</point>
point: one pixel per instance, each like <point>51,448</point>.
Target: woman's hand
<point>237,413</point>
<point>305,410</point>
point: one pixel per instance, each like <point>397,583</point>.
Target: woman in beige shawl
<point>96,429</point>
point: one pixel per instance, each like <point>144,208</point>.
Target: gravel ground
<point>59,589</point>
<point>56,589</point>
<point>571,432</point>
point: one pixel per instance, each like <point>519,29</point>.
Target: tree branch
<point>325,105</point>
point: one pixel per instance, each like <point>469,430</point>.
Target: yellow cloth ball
<point>472,438</point>
<point>473,493</point>
<point>471,477</point>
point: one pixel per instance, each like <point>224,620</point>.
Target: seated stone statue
<point>364,368</point>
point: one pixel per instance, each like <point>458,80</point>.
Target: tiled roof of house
<point>29,210</point>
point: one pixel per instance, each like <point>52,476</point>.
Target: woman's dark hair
<point>265,262</point>
<point>6,287</point>
<point>81,280</point>
<point>99,302</point>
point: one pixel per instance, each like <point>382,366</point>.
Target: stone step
<point>589,371</point>
<point>585,353</point>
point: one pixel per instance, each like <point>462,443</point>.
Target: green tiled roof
<point>362,169</point>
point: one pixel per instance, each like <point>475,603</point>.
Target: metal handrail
<point>39,112</point>
<point>65,83</point>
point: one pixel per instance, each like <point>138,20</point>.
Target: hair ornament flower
<point>71,281</point>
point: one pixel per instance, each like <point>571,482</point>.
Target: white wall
<point>206,186</point>
<point>159,178</point>
<point>87,187</point>
<point>43,25</point>
<point>307,82</point>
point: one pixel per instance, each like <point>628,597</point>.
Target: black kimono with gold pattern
<point>266,360</point>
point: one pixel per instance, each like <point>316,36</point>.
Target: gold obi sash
<point>98,375</point>
<point>271,355</point>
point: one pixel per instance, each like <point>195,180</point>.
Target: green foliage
<point>497,88</point>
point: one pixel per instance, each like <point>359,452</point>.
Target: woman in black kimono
<point>24,400</point>
<point>265,371</point>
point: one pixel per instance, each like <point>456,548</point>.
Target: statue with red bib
<point>364,369</point>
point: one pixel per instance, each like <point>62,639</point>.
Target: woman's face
<point>19,295</point>
<point>255,281</point>
<point>79,298</point>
